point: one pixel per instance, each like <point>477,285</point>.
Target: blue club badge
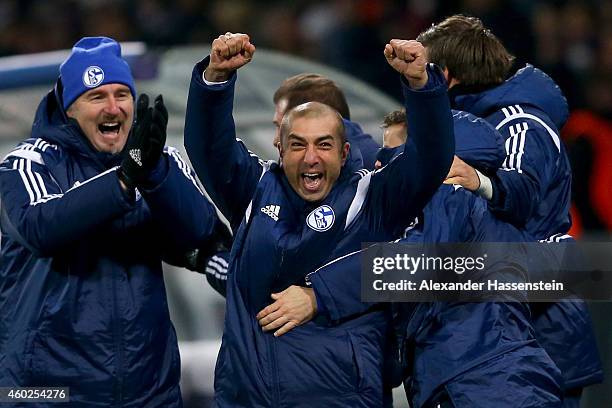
<point>93,76</point>
<point>321,218</point>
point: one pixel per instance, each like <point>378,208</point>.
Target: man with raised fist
<point>292,217</point>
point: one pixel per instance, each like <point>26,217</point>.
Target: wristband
<point>211,82</point>
<point>485,190</point>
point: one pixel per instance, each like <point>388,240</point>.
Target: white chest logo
<point>93,76</point>
<point>321,218</point>
<point>272,211</point>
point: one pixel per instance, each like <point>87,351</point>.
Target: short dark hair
<point>311,109</point>
<point>396,117</point>
<point>308,87</point>
<point>470,52</point>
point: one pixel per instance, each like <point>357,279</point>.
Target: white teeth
<point>311,174</point>
<point>109,127</point>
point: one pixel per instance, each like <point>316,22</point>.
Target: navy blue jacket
<point>82,295</point>
<point>532,191</point>
<point>528,109</point>
<point>280,238</point>
<point>481,354</point>
<point>362,144</point>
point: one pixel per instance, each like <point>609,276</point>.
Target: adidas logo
<point>272,211</point>
<point>135,155</point>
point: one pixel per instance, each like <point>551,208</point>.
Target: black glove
<point>145,143</point>
<point>219,241</point>
<point>205,259</point>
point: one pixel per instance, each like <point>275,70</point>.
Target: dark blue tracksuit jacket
<point>82,295</point>
<point>479,354</point>
<point>532,191</point>
<point>362,154</point>
<point>280,238</point>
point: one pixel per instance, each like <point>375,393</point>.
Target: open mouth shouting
<point>312,181</point>
<point>110,129</point>
<point>109,135</point>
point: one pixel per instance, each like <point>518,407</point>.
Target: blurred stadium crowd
<point>570,40</point>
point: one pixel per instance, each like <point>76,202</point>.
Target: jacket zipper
<point>118,336</point>
<point>117,325</point>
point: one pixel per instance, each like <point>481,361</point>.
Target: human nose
<point>112,107</point>
<point>311,157</point>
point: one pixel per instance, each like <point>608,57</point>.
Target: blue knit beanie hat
<point>94,61</point>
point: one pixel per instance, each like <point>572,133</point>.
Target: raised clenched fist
<point>408,58</point>
<point>229,52</point>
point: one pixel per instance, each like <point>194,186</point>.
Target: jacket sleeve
<point>216,268</point>
<point>522,181</point>
<point>337,288</point>
<point>45,219</point>
<point>400,190</point>
<point>228,171</point>
<point>178,204</point>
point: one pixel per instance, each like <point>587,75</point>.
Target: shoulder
<point>35,150</point>
<point>516,119</point>
<point>465,121</point>
<point>360,179</point>
<point>362,173</point>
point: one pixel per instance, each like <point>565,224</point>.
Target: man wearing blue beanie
<point>88,214</point>
<point>96,64</point>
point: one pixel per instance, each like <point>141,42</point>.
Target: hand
<point>219,242</point>
<point>463,174</point>
<point>293,307</point>
<point>408,58</point>
<point>229,52</point>
<point>145,143</point>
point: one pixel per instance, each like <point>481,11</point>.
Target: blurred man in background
<point>533,186</point>
<point>395,133</point>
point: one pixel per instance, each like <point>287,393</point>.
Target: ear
<point>70,111</point>
<point>345,152</point>
<point>280,152</point>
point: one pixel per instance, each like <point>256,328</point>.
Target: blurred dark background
<point>571,40</point>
